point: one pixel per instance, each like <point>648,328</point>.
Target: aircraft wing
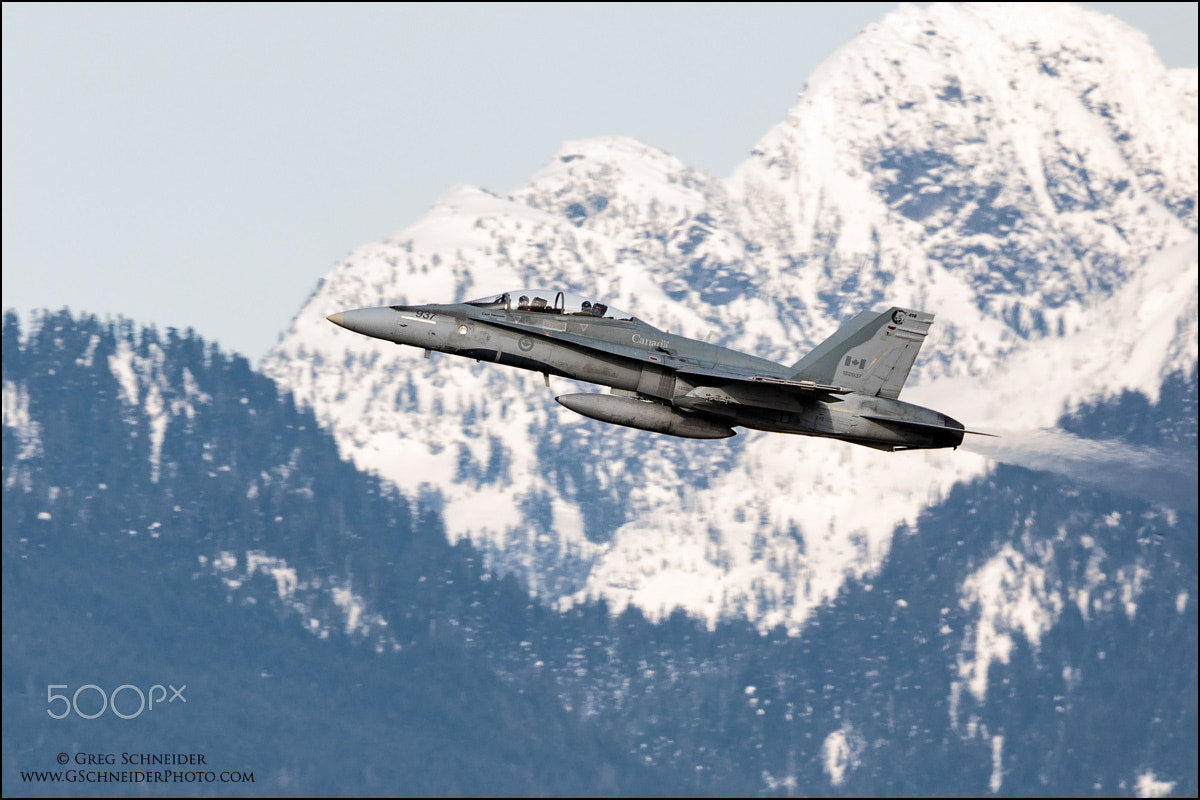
<point>724,385</point>
<point>583,342</point>
<point>805,390</point>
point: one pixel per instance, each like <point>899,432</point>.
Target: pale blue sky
<point>204,165</point>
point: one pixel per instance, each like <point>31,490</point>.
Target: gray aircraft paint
<point>847,388</point>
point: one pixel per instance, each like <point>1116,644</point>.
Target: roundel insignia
<point>898,317</point>
<point>526,344</point>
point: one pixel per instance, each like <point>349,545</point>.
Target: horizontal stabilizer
<point>925,425</point>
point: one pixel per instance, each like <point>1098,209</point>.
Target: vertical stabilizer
<point>872,353</point>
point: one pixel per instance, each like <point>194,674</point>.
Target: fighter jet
<point>847,388</point>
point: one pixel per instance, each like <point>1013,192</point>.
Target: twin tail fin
<point>871,354</point>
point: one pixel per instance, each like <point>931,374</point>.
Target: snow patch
<point>15,405</point>
<point>840,754</point>
<point>997,776</point>
<point>1148,785</point>
<point>1012,596</point>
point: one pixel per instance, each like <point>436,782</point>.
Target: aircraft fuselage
<point>662,382</point>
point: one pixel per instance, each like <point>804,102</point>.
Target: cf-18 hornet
<point>847,388</point>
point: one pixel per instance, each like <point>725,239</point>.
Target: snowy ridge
<point>955,140</point>
<point>1026,173</point>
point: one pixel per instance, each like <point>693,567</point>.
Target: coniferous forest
<point>170,517</point>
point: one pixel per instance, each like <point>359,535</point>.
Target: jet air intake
<point>645,415</point>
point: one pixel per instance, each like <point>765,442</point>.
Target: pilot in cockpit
<point>523,303</point>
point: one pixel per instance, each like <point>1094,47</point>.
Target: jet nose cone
<point>379,323</point>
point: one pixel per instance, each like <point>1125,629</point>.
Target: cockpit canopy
<point>550,301</point>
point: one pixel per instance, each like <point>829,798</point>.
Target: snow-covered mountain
<point>1027,173</point>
